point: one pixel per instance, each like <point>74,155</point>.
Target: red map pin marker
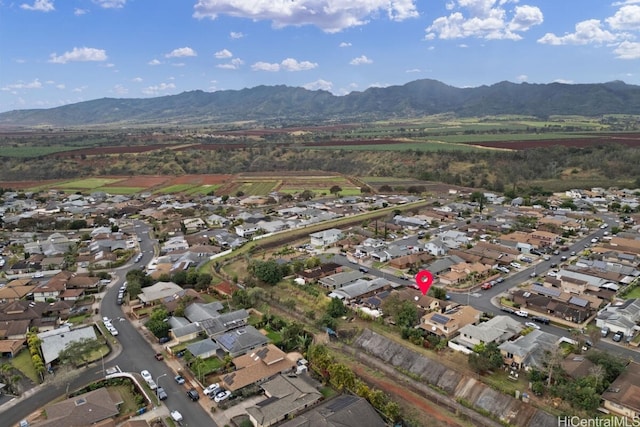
<point>424,279</point>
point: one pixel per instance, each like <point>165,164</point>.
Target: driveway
<point>223,418</point>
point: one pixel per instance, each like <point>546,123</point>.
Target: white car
<point>515,265</point>
<point>113,331</point>
<point>522,313</point>
<point>211,389</point>
<point>176,416</point>
<point>146,375</point>
<point>221,395</point>
<point>552,274</point>
<point>532,325</point>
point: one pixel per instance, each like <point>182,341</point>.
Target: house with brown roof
<point>16,290</point>
<point>10,348</point>
<point>576,366</point>
<point>448,324</point>
<point>286,396</point>
<point>83,410</point>
<point>14,330</point>
<point>257,366</point>
<point>314,274</point>
<point>423,302</point>
<point>83,281</point>
<point>48,290</point>
<point>623,395</point>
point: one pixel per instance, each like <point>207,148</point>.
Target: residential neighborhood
<point>230,294</point>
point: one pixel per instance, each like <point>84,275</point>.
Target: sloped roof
<point>241,340</point>
<point>344,411</point>
<point>202,347</point>
<point>83,410</point>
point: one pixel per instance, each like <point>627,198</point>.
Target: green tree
<point>438,293</point>
<point>335,190</point>
<point>156,323</point>
<point>79,352</point>
<point>341,377</point>
<point>269,272</point>
<point>336,308</point>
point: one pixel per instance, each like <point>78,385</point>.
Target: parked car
<point>162,395</point>
<point>604,332</point>
<point>508,310</point>
<point>617,337</point>
<point>164,340</point>
<point>211,389</point>
<point>532,325</point>
<point>540,319</point>
<point>146,375</point>
<point>486,286</point>
<point>193,395</point>
<point>176,416</point>
<point>515,265</point>
<point>522,313</point>
<point>159,356</point>
<point>221,395</point>
<point>179,379</point>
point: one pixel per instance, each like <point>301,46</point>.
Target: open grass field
<point>26,152</point>
<point>86,183</point>
<point>258,188</point>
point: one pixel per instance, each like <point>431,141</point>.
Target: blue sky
<point>56,52</point>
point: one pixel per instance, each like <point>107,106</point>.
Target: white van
<point>522,313</point>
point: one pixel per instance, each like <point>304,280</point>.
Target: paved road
<point>486,301</point>
<point>132,354</point>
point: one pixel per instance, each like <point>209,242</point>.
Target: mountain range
<point>290,106</point>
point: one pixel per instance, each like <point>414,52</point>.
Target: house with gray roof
<point>338,280</point>
<point>56,340</point>
<point>528,351</point>
<point>623,317</point>
<point>225,322</point>
<point>325,237</point>
<point>286,396</point>
<point>186,332</point>
<point>203,349</point>
<point>345,410</point>
<point>361,288</point>
<point>496,330</point>
<point>198,312</point>
<point>241,341</point>
<point>158,292</point>
<point>444,264</point>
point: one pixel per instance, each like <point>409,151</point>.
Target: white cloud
<point>61,86</point>
<point>120,90</point>
<point>319,85</point>
<point>236,35</point>
<point>360,60</point>
<point>158,89</point>
<point>222,54</point>
<point>110,4</point>
<point>80,12</point>
<point>627,50</point>
<point>563,81</point>
<point>413,70</point>
<point>291,64</point>
<point>181,53</point>
<point>137,79</point>
<point>587,32</point>
<point>234,64</point>
<point>626,18</point>
<point>288,64</point>
<point>522,78</point>
<point>35,84</point>
<point>154,62</point>
<point>525,17</point>
<point>344,44</point>
<point>622,3</point>
<point>265,66</point>
<point>485,19</point>
<point>79,54</point>
<point>39,6</point>
<point>79,89</point>
<point>329,15</point>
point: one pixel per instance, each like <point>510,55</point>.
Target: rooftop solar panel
<point>439,318</point>
<point>578,301</point>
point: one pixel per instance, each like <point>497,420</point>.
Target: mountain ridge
<point>287,105</point>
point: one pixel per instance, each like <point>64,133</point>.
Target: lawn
<point>22,362</point>
<point>177,188</point>
<point>635,293</point>
<point>258,188</point>
<point>121,190</point>
<point>87,183</point>
<point>274,336</point>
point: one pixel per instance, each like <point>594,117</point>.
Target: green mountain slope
<point>293,105</point>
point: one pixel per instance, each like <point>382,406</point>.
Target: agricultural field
<point>26,152</point>
<point>87,183</point>
<point>391,145</point>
